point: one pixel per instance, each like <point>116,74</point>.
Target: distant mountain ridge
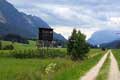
<point>13,21</point>
<point>104,36</point>
<point>114,44</point>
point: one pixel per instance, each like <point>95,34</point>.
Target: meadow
<point>25,62</point>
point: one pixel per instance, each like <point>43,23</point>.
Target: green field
<point>59,67</point>
<point>31,45</point>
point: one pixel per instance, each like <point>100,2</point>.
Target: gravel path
<point>92,74</point>
<point>114,73</point>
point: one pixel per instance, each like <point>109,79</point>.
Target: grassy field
<point>30,69</point>
<point>57,68</point>
<point>18,46</point>
<point>35,69</point>
<point>94,52</point>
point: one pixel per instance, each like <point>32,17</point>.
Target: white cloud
<point>115,20</point>
<point>63,12</point>
<point>86,15</point>
<point>66,31</point>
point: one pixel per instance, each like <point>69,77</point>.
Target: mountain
<point>15,22</point>
<point>12,21</point>
<point>104,36</point>
<point>114,44</point>
<point>35,21</point>
<point>58,37</point>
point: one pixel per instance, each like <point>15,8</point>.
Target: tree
<point>16,38</point>
<point>77,45</point>
<point>71,41</point>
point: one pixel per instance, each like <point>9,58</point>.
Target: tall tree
<point>71,41</point>
<point>77,45</point>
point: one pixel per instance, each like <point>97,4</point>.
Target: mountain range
<point>105,37</point>
<point>15,22</point>
<point>114,44</point>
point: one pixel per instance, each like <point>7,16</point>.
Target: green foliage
<point>8,47</point>
<point>77,45</point>
<point>35,53</point>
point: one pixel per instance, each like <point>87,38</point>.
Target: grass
<point>79,69</point>
<point>18,46</point>
<point>103,74</point>
<point>116,53</point>
<point>34,53</point>
<point>30,51</point>
<point>94,52</point>
<point>29,69</point>
<point>34,69</point>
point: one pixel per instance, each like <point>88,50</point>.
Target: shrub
<point>8,47</point>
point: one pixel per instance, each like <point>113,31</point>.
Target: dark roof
<point>46,28</point>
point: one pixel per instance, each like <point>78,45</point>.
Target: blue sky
<point>64,15</point>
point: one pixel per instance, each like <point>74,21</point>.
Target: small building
<point>45,37</point>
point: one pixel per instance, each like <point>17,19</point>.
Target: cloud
<point>115,20</point>
<point>86,15</point>
<point>66,31</point>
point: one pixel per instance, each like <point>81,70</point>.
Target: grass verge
<point>116,53</point>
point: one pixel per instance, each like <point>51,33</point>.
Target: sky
<point>88,16</point>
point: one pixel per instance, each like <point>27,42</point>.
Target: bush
<point>8,47</point>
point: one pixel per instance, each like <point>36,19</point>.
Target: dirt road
<point>114,73</point>
<point>92,73</point>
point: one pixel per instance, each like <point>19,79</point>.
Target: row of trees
<point>77,46</point>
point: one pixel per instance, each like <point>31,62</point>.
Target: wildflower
<point>50,68</point>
